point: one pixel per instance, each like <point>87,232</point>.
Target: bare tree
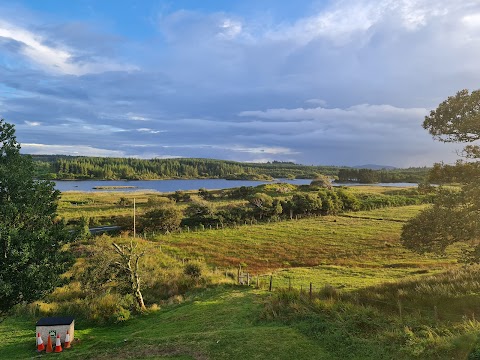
<point>130,259</point>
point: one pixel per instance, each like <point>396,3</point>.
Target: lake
<point>174,185</point>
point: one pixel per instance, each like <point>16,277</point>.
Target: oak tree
<point>455,214</point>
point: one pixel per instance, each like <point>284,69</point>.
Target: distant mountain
<point>375,167</point>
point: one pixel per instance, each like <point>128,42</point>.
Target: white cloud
<point>150,131</point>
<point>84,150</point>
<point>33,123</point>
<point>57,59</point>
<point>229,29</point>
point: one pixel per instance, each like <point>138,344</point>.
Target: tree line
<point>83,168</point>
<point>261,204</point>
<point>368,176</point>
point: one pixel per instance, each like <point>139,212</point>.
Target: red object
<point>58,345</point>
<point>67,341</point>
<point>49,345</point>
<point>40,345</point>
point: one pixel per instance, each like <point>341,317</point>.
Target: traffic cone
<point>49,345</point>
<point>58,344</point>
<point>40,345</point>
<point>67,341</point>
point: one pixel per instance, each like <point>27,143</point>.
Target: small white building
<point>53,326</point>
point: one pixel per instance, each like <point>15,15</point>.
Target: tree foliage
<point>454,217</point>
<point>164,218</point>
<point>32,239</point>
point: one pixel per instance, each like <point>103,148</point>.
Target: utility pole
<point>134,229</point>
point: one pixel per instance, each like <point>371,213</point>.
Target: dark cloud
<point>349,84</point>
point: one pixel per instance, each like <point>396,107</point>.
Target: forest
<point>60,167</point>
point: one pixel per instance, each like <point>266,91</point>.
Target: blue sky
<point>316,82</point>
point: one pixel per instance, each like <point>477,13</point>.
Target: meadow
<point>371,298</point>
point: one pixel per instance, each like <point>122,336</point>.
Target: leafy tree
<point>32,239</point>
<point>306,203</point>
<point>322,181</point>
<point>164,218</point>
<point>455,213</point>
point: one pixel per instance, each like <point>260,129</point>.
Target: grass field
<point>357,252</point>
<point>220,323</point>
<point>328,240</point>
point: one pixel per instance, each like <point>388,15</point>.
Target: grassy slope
<point>219,324</point>
<point>329,240</point>
<point>224,323</point>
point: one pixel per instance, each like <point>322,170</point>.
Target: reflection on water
<point>174,185</point>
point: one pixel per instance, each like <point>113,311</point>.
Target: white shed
<point>53,326</point>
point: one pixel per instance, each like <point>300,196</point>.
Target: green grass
<point>329,240</point>
<point>344,277</point>
<point>220,323</point>
<point>402,213</point>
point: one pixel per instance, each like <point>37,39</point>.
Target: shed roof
<point>50,321</point>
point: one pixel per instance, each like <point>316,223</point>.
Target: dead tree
<point>129,262</point>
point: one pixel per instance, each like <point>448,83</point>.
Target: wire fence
<point>310,291</point>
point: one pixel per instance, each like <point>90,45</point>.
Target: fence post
<point>238,273</point>
<point>271,280</point>
<point>310,291</point>
<point>248,279</point>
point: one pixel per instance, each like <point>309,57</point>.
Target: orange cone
<point>67,341</point>
<point>58,344</point>
<point>40,345</point>
<point>49,345</point>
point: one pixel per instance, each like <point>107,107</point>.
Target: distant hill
<point>63,167</point>
<point>375,167</point>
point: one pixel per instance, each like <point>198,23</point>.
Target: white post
<point>134,230</point>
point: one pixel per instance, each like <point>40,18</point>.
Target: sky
<point>344,82</point>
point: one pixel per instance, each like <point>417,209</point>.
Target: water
<point>174,185</point>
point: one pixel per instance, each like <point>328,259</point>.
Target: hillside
<point>78,167</point>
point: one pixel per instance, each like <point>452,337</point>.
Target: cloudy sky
<point>343,82</point>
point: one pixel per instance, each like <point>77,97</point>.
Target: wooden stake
<point>134,229</point>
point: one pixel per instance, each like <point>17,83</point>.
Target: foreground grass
<point>220,323</point>
<point>431,317</point>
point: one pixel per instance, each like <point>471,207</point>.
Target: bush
<point>194,270</point>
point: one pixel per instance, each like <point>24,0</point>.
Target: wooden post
<point>188,228</point>
<point>248,279</point>
<point>271,281</point>
<point>134,229</point>
<point>238,273</point>
<point>311,288</point>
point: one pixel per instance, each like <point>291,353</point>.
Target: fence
<point>310,291</point>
